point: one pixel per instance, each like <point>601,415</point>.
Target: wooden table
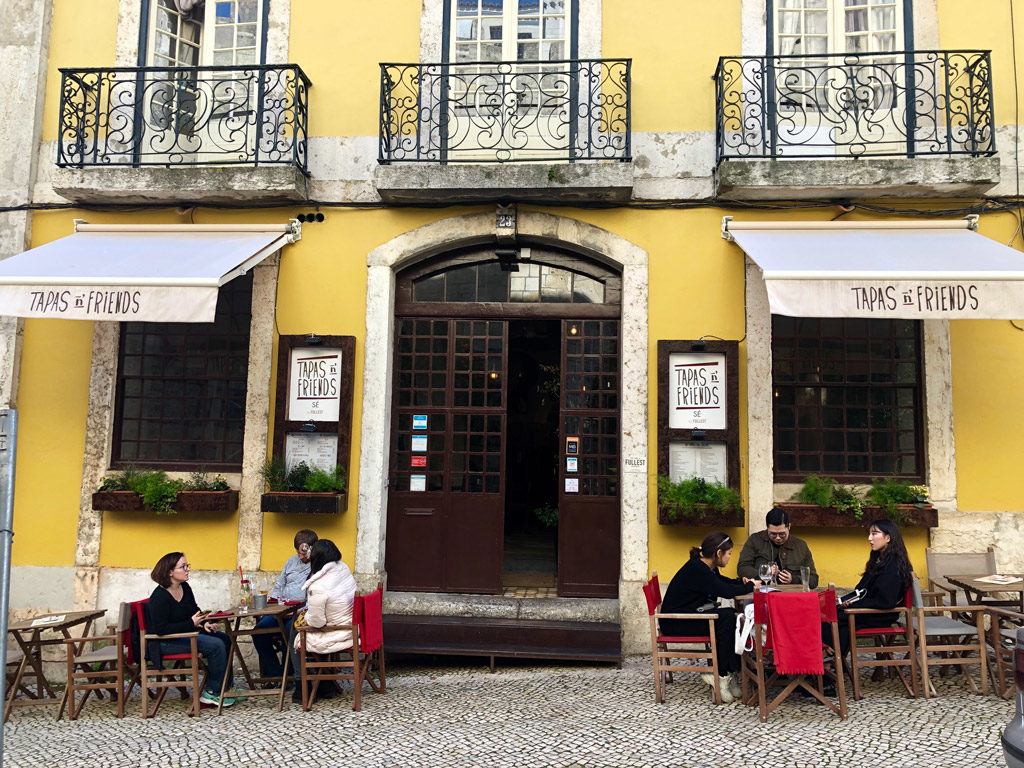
<point>30,637</point>
<point>984,593</point>
<point>232,621</point>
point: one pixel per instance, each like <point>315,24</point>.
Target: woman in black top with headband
<point>697,585</point>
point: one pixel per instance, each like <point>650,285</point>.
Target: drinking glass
<point>765,572</point>
<point>805,577</point>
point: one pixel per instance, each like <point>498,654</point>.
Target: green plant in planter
<point>547,515</point>
<point>201,481</point>
<point>888,493</point>
<point>321,481</point>
<point>302,478</point>
<point>687,498</point>
<point>827,493</point>
<point>158,491</point>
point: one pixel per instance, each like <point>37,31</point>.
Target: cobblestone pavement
<point>564,715</point>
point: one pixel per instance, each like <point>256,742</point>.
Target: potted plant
<point>303,489</point>
<point>823,502</point>
<point>695,501</point>
<point>132,490</point>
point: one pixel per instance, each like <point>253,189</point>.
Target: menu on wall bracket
<point>316,450</point>
<point>698,459</point>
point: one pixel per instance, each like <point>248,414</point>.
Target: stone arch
<point>431,239</point>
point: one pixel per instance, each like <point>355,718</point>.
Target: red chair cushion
<point>880,631</point>
<point>176,656</point>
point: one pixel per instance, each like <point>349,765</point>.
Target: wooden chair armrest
<point>899,609</point>
<point>951,608</point>
<point>1006,613</point>
<point>686,615</point>
<point>171,637</point>
<point>325,628</point>
<point>94,639</point>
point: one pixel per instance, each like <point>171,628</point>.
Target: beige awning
<point>156,273</point>
<point>906,269</point>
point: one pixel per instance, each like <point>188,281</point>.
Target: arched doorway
<point>506,401</point>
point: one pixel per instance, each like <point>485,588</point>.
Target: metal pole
<point>8,446</point>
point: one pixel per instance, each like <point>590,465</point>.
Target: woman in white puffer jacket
<point>330,592</point>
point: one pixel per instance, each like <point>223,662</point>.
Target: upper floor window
<point>188,33</point>
<point>809,27</point>
<point>509,30</point>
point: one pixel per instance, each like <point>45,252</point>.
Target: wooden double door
<point>448,470</point>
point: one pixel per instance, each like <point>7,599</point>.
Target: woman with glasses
<point>172,610</point>
<point>696,588</point>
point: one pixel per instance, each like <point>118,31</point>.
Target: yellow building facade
<point>414,182</point>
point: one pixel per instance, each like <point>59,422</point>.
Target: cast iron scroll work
<point>183,116</point>
<point>493,112</point>
<point>902,103</point>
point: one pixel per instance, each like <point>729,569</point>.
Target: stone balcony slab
<point>856,178</point>
<point>186,184</point>
<point>605,181</point>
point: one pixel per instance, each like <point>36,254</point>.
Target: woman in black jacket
<point>172,610</point>
<point>886,578</point>
<point>695,589</point>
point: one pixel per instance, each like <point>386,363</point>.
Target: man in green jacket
<point>776,546</point>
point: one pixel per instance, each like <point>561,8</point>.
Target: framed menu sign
<point>313,408</point>
<point>698,416</point>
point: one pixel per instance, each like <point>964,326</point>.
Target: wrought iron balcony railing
<point>256,115</point>
<point>902,103</point>
<point>505,111</point>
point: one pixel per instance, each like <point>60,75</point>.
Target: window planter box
<point>704,516</point>
<point>813,516</point>
<point>305,503</point>
<point>188,501</point>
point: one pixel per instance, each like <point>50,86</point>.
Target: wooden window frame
<point>343,426</point>
<point>730,435</point>
<point>797,475</point>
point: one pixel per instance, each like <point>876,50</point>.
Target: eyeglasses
<point>185,567</point>
<point>778,534</point>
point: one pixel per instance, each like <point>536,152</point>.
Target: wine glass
<point>765,572</point>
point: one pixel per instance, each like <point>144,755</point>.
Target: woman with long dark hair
<point>695,589</point>
<point>887,576</point>
<point>330,594</point>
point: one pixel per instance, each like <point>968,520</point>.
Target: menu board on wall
<point>316,450</point>
<point>314,384</point>
<point>696,390</point>
<point>706,460</point>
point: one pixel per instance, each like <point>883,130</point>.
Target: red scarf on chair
<point>794,626</point>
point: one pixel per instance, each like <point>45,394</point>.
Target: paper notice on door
<point>418,483</point>
<point>419,443</point>
<point>572,485</point>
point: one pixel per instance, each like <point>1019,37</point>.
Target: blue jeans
<point>213,646</point>
<point>270,661</point>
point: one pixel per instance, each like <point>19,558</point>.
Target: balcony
<point>196,134</point>
<point>906,123</point>
<point>551,130</point>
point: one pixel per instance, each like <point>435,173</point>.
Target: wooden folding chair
<point>340,665</point>
<point>888,642</point>
<point>1002,638</point>
<point>184,670</point>
<point>759,671</point>
<point>16,671</point>
<point>101,668</point>
<point>960,564</point>
<point>954,640</point>
<point>662,655</point>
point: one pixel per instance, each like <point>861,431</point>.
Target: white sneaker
<point>725,688</point>
<point>709,678</point>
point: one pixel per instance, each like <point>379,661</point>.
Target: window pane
<point>165,374</point>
